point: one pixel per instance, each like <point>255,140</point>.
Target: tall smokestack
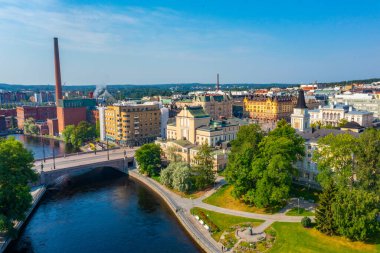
<point>58,84</point>
<point>217,81</point>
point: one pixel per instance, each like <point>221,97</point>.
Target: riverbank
<point>204,240</point>
<point>37,193</point>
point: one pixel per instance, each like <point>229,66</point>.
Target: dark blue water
<point>102,211</point>
<point>35,144</point>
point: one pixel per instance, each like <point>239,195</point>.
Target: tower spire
<point>301,104</point>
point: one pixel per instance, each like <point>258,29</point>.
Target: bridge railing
<point>76,154</point>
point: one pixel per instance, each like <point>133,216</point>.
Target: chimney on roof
<point>58,84</point>
<point>301,104</point>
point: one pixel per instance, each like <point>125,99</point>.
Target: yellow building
<point>131,123</point>
<point>266,109</point>
<point>194,125</point>
<point>192,128</point>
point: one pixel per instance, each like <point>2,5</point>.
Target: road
<point>79,159</point>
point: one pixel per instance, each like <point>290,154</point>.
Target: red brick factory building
<point>69,111</point>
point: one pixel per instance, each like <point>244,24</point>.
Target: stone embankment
<point>204,240</point>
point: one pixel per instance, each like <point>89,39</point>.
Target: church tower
<point>300,119</point>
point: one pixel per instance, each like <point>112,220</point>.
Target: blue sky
<point>182,41</point>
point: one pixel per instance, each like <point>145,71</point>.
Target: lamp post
<point>53,158</point>
<point>298,205</point>
<point>43,147</point>
<point>108,151</point>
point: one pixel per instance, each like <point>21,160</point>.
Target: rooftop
<point>320,133</point>
<point>197,112</point>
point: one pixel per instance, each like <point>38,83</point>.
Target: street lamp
<point>43,147</point>
<point>108,151</point>
<point>53,158</point>
<point>298,205</point>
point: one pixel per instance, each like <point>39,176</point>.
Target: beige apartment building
<point>132,124</point>
<point>217,105</point>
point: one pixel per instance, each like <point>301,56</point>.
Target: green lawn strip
<point>299,191</point>
<point>224,221</point>
<point>301,212</point>
<point>223,198</point>
<point>157,178</point>
<point>293,238</point>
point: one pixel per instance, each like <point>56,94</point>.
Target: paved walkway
<point>186,204</point>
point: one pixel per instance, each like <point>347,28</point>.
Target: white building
<point>334,113</point>
<point>102,127</point>
<point>360,101</point>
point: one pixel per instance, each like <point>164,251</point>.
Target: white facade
<point>102,123</point>
<point>164,121</point>
<point>300,119</point>
<point>364,102</point>
<point>333,114</point>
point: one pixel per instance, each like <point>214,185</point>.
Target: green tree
<point>335,158</point>
<point>148,157</point>
<point>77,135</point>
<point>273,168</point>
<point>355,214</point>
<point>324,215</point>
<point>342,122</point>
<point>243,150</point>
<point>67,133</point>
<point>182,178</point>
<point>97,129</point>
<point>30,126</point>
<point>203,167</point>
<point>15,173</point>
<point>166,175</point>
<point>367,160</point>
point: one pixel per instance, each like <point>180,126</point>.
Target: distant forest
<point>341,83</point>
<point>138,91</point>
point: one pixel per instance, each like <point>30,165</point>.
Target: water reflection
<point>39,146</point>
<point>103,211</point>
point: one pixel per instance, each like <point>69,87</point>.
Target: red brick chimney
<point>58,84</point>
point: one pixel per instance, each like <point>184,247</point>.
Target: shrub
<point>306,222</point>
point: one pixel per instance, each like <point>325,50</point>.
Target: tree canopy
<point>203,167</point>
<point>77,135</point>
<point>15,173</point>
<point>30,127</point>
<point>148,157</point>
<point>350,176</point>
<point>261,167</point>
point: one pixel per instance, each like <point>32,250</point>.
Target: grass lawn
<point>302,212</point>
<point>156,178</point>
<point>298,191</point>
<point>224,221</point>
<point>293,238</point>
<point>223,198</point>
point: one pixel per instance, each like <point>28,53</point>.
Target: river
<point>39,146</point>
<point>102,211</point>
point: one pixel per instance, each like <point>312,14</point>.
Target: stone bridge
<point>56,169</point>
